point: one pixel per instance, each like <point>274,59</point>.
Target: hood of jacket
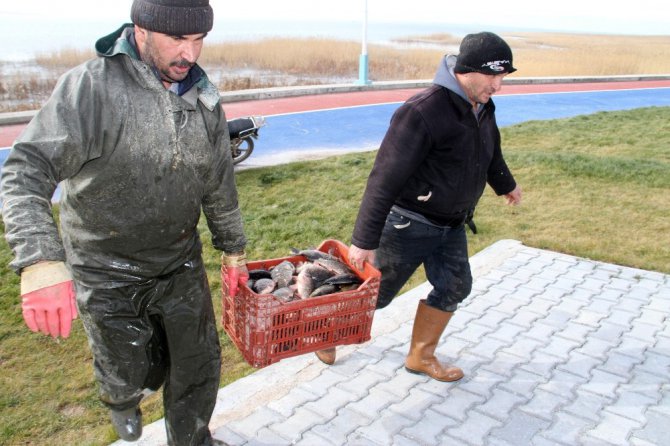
<point>122,42</point>
<point>445,76</point>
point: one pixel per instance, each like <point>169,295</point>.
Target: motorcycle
<point>243,132</point>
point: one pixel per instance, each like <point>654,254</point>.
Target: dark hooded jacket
<point>434,160</point>
<point>137,164</point>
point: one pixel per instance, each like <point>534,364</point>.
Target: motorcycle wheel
<point>241,149</point>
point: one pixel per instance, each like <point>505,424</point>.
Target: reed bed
<point>281,61</point>
<point>589,55</point>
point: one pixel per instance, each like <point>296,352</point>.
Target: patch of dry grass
<point>63,59</point>
<point>557,54</point>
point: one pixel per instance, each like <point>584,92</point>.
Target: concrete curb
<point>286,92</point>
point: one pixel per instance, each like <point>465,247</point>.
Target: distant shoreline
<point>79,34</point>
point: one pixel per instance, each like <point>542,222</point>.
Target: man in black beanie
<point>440,151</point>
<point>139,142</point>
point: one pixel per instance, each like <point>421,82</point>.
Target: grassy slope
<point>595,186</point>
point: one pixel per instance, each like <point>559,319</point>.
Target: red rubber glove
<point>236,272</point>
<point>234,277</point>
<point>48,298</point>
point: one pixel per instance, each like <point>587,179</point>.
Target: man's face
<point>480,87</point>
<point>173,56</point>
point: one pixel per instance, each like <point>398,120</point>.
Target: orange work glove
<point>236,271</point>
<point>48,298</point>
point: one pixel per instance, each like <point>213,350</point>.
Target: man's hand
<point>358,257</point>
<point>514,197</point>
<point>48,298</point>
<point>236,272</point>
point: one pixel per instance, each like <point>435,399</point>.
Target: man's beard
<point>150,59</point>
<point>165,73</point>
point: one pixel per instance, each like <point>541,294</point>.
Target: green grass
<point>595,186</point>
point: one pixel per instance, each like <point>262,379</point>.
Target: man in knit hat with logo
<point>139,142</point>
<point>442,148</point>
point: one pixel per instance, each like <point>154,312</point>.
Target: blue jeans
<point>407,243</point>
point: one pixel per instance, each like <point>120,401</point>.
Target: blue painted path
<point>362,128</point>
<point>304,135</point>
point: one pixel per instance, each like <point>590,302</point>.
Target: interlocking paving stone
<point>384,427</point>
<point>374,403</point>
<point>287,404</point>
<point>362,385</point>
<point>416,403</point>
<point>567,429</point>
<point>500,404</point>
<point>632,405</point>
<point>507,333</point>
<point>341,426</point>
<point>401,384</point>
<point>302,419</point>
<point>474,428</point>
<point>603,383</point>
<point>557,351</point>
<point>520,428</point>
<point>544,404</point>
<point>588,405</point>
<point>614,429</point>
<point>328,405</point>
<point>427,432</point>
<point>562,383</point>
<point>482,383</point>
<point>655,429</point>
<point>523,383</point>
<point>250,425</point>
<point>457,404</point>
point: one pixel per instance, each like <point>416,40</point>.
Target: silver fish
<point>282,273</point>
<point>335,266</point>
<point>284,294</point>
<point>313,254</point>
<point>327,288</point>
<point>343,279</point>
<point>264,286</point>
<point>311,277</point>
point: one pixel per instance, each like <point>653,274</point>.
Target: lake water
<point>23,37</point>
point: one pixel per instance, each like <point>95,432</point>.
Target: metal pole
<point>363,59</point>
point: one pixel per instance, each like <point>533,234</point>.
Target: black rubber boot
<point>128,423</point>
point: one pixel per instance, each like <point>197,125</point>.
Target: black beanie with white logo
<point>173,17</point>
<point>485,53</point>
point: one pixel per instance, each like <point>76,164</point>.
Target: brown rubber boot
<point>327,356</point>
<point>428,327</point>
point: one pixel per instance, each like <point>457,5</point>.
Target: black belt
<point>457,220</point>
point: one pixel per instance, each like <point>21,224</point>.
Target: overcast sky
<point>595,16</point>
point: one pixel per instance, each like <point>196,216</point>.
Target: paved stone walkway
<point>556,350</point>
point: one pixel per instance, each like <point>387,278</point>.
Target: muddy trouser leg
<point>159,331</point>
<point>403,247</point>
<point>193,380</point>
<point>406,244</point>
<point>448,271</point>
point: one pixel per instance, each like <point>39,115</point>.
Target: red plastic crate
<point>266,330</point>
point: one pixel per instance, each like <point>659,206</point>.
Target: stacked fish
<point>322,273</point>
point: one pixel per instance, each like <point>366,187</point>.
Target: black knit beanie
<point>484,52</point>
<point>173,17</point>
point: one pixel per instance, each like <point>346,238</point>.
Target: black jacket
<point>435,160</point>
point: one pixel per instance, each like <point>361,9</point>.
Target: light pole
<point>363,59</point>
